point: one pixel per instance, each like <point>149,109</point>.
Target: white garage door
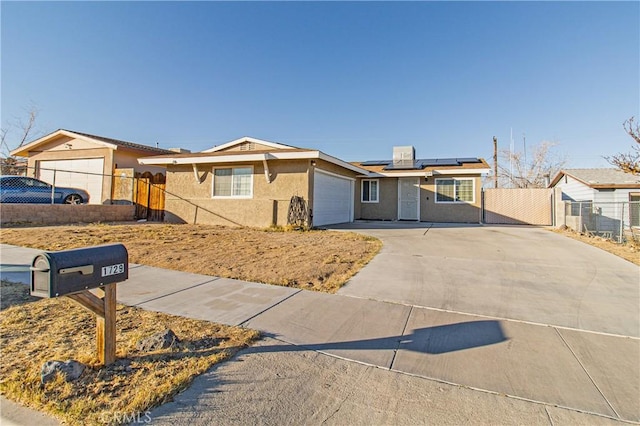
<point>332,199</point>
<point>82,173</point>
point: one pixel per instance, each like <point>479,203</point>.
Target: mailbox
<point>59,273</point>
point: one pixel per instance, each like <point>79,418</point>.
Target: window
<point>233,182</point>
<point>370,190</point>
<point>455,191</point>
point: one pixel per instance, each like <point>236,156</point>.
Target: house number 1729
<point>113,270</point>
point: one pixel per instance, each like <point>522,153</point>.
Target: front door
<point>408,198</point>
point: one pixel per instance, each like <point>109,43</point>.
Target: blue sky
<point>352,79</point>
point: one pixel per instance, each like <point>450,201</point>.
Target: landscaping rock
<point>70,369</point>
<point>158,341</point>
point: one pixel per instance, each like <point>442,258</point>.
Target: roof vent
<point>248,146</point>
<point>403,156</point>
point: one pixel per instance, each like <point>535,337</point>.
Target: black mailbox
<point>59,273</point>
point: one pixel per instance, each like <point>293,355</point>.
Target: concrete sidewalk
<point>547,366</point>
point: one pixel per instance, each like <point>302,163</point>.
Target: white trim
<point>423,173</point>
<point>333,174</point>
<point>461,172</point>
<point>247,139</point>
<point>61,132</point>
<point>418,199</point>
<point>203,160</point>
<point>275,155</point>
<point>377,181</point>
<point>229,197</point>
<point>473,191</point>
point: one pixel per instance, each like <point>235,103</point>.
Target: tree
<point>24,130</point>
<point>629,162</point>
<point>519,170</point>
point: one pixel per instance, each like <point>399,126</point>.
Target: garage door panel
<point>332,199</point>
<point>78,173</point>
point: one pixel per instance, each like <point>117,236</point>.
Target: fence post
<point>53,187</point>
<point>621,223</point>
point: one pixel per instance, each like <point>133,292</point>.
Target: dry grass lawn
<point>629,251</point>
<point>312,260</point>
<point>37,330</point>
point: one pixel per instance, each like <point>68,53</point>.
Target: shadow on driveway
<point>430,340</point>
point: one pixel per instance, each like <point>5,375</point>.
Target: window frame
<point>369,201</point>
<point>227,197</point>
<point>455,190</point>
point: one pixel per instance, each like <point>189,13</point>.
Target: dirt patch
<point>629,251</point>
<point>313,260</point>
<point>35,331</point>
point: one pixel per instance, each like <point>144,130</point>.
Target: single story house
<point>427,190</point>
<point>85,161</point>
<point>607,192</point>
<point>251,182</point>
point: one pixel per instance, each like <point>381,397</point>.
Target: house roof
<point>221,154</point>
<point>24,150</point>
<point>422,167</point>
<point>600,178</point>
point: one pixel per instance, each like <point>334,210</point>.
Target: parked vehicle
<point>22,189</point>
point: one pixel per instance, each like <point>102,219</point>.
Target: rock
<point>70,370</point>
<point>155,342</point>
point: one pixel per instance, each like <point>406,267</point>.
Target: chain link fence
<point>617,221</point>
<point>57,186</point>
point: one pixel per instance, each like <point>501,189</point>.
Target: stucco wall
<point>387,206</point>
<point>430,211</point>
<point>56,214</point>
<point>191,202</point>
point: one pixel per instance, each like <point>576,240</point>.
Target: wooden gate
<point>518,206</point>
<point>149,196</point>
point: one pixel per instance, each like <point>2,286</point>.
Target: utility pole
<point>495,162</point>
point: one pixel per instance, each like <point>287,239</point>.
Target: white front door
<point>408,198</point>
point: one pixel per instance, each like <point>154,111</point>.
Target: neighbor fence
<point>126,187</point>
<point>618,221</point>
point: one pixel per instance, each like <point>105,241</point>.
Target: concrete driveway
<point>521,273</point>
<point>448,324</point>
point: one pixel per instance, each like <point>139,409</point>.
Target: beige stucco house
<point>427,190</point>
<point>81,160</point>
<point>251,182</point>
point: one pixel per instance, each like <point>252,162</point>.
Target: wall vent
<point>248,146</point>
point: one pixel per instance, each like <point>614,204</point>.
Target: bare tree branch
<point>516,172</point>
<point>628,162</point>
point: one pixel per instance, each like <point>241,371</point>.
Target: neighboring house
<point>81,160</point>
<point>251,182</point>
<point>428,190</point>
<point>605,189</point>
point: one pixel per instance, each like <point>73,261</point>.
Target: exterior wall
<point>190,202</point>
<point>129,160</point>
<point>430,211</point>
<point>574,190</point>
<point>387,206</point>
<point>55,214</point>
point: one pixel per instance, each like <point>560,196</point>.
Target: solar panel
<point>468,160</point>
<point>376,163</point>
<point>447,162</point>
